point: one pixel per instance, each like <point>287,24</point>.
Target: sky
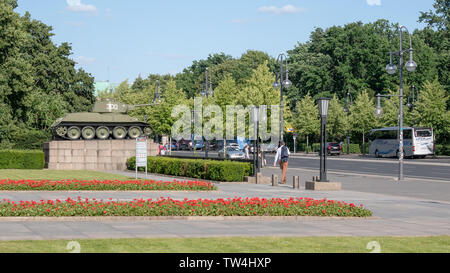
<point>117,40</point>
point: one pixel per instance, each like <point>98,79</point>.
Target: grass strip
<point>266,244</point>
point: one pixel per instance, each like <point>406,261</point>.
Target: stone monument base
<point>323,186</point>
<point>92,154</point>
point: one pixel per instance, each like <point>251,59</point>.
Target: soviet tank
<point>107,120</point>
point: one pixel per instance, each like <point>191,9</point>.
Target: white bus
<point>417,142</point>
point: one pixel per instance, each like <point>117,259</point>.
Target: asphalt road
<point>411,169</point>
<point>433,169</point>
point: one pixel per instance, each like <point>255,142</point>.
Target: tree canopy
<point>38,81</point>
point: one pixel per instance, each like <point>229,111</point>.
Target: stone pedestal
<point>322,186</point>
<point>261,179</point>
<point>92,154</point>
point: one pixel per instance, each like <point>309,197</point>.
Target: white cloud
<point>82,60</point>
<point>77,6</point>
<point>288,9</point>
<point>373,2</point>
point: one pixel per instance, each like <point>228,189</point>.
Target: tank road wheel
<point>88,132</point>
<point>74,133</point>
<point>102,132</point>
<point>134,132</point>
<point>119,132</point>
<point>148,131</point>
<point>61,131</point>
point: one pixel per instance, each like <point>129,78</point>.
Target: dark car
<point>184,145</point>
<point>333,148</point>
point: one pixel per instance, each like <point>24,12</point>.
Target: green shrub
<point>30,139</point>
<point>21,159</point>
<point>353,148</point>
<point>196,168</point>
<point>315,147</point>
<point>442,149</point>
<point>364,149</point>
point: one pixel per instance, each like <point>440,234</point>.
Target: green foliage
<point>196,168</point>
<point>21,159</point>
<point>38,80</point>
<point>362,118</point>
<point>306,119</point>
<point>442,149</point>
<point>353,148</point>
<point>431,111</point>
<point>337,122</point>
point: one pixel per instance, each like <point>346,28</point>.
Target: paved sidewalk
<point>393,216</point>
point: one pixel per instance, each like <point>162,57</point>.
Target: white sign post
<point>141,154</point>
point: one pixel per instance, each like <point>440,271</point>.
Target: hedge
<point>21,159</point>
<point>442,149</point>
<point>196,168</point>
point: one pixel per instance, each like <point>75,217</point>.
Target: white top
<point>278,155</point>
<point>247,156</point>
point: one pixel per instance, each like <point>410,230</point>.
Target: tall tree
<point>431,110</point>
<point>337,124</point>
<point>306,118</point>
<point>362,118</point>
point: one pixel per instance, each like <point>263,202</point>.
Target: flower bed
<point>103,185</point>
<point>171,207</point>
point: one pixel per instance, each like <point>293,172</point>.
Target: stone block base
<point>323,186</point>
<point>92,154</point>
<point>261,179</point>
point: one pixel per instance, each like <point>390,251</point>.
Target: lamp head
<point>287,83</point>
<point>276,85</point>
<point>323,106</point>
<point>378,111</point>
<point>411,66</point>
<point>391,69</point>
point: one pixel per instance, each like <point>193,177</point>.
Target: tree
<point>38,80</point>
<point>306,118</point>
<point>258,89</point>
<point>436,35</point>
<point>159,116</point>
<point>337,124</point>
<point>362,118</point>
<point>431,110</point>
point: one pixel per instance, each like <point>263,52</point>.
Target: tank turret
<point>107,120</point>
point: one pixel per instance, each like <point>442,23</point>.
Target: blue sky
<point>117,40</point>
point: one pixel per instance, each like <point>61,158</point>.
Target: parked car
<point>174,147</point>
<point>232,153</point>
<point>333,148</point>
<point>184,145</point>
<point>212,146</point>
<point>234,145</point>
<point>269,147</point>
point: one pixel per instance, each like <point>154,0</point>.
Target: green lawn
<point>238,245</point>
<point>58,175</point>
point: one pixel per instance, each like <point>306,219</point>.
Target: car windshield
<point>230,149</point>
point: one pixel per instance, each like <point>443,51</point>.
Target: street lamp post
<point>157,94</point>
<point>207,91</point>
<point>280,82</point>
<point>323,112</point>
<point>255,143</point>
<point>391,69</point>
<point>412,99</point>
<point>348,103</point>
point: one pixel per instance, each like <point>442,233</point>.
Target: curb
<point>182,218</point>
